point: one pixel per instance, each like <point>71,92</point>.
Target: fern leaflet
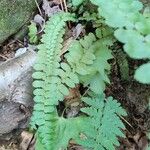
<point>104,124</point>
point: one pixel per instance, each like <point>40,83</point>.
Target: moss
<point>13,15</point>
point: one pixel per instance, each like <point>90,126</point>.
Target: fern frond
<point>88,58</point>
<point>104,125</point>
<point>66,129</point>
<point>52,80</point>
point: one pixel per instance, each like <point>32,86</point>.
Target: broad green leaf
<point>77,2</point>
<point>142,74</point>
<point>126,36</point>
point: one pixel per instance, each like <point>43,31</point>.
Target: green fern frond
<point>88,58</point>
<point>52,80</point>
<point>104,124</point>
<point>87,62</point>
<point>66,129</point>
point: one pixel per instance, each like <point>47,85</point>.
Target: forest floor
<point>133,96</point>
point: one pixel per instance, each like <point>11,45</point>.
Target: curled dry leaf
<point>38,19</point>
<point>49,10</point>
<point>72,102</point>
<point>78,30</point>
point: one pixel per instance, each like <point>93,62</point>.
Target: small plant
<point>104,123</point>
<point>89,57</point>
<point>86,63</point>
<point>132,29</point>
<point>33,33</point>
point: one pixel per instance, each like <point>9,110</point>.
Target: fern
<point>132,29</point>
<point>66,129</point>
<point>52,80</point>
<point>88,58</point>
<point>87,63</point>
<point>104,124</point>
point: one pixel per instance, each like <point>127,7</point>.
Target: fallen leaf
<point>38,19</point>
<point>49,11</point>
<point>26,140</point>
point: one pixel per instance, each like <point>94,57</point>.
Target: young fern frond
<point>104,125</point>
<point>88,58</point>
<point>52,80</point>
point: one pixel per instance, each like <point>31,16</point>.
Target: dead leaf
<point>26,140</point>
<point>49,11</point>
<point>72,102</point>
<point>57,1</point>
<point>66,46</point>
<point>73,97</point>
<point>38,19</point>
<point>141,140</point>
<point>78,30</point>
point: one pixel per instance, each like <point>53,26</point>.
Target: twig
<point>4,57</point>
<point>61,4</point>
<point>66,10</point>
<point>86,92</point>
<point>126,121</point>
<point>38,7</point>
<point>65,5</point>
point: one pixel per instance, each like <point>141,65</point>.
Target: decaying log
<point>12,117</point>
<point>12,69</point>
<point>16,93</point>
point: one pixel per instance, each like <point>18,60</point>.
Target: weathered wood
<point>16,111</point>
<point>12,69</point>
<point>16,98</point>
<point>12,116</point>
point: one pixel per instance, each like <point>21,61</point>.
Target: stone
<point>13,15</point>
